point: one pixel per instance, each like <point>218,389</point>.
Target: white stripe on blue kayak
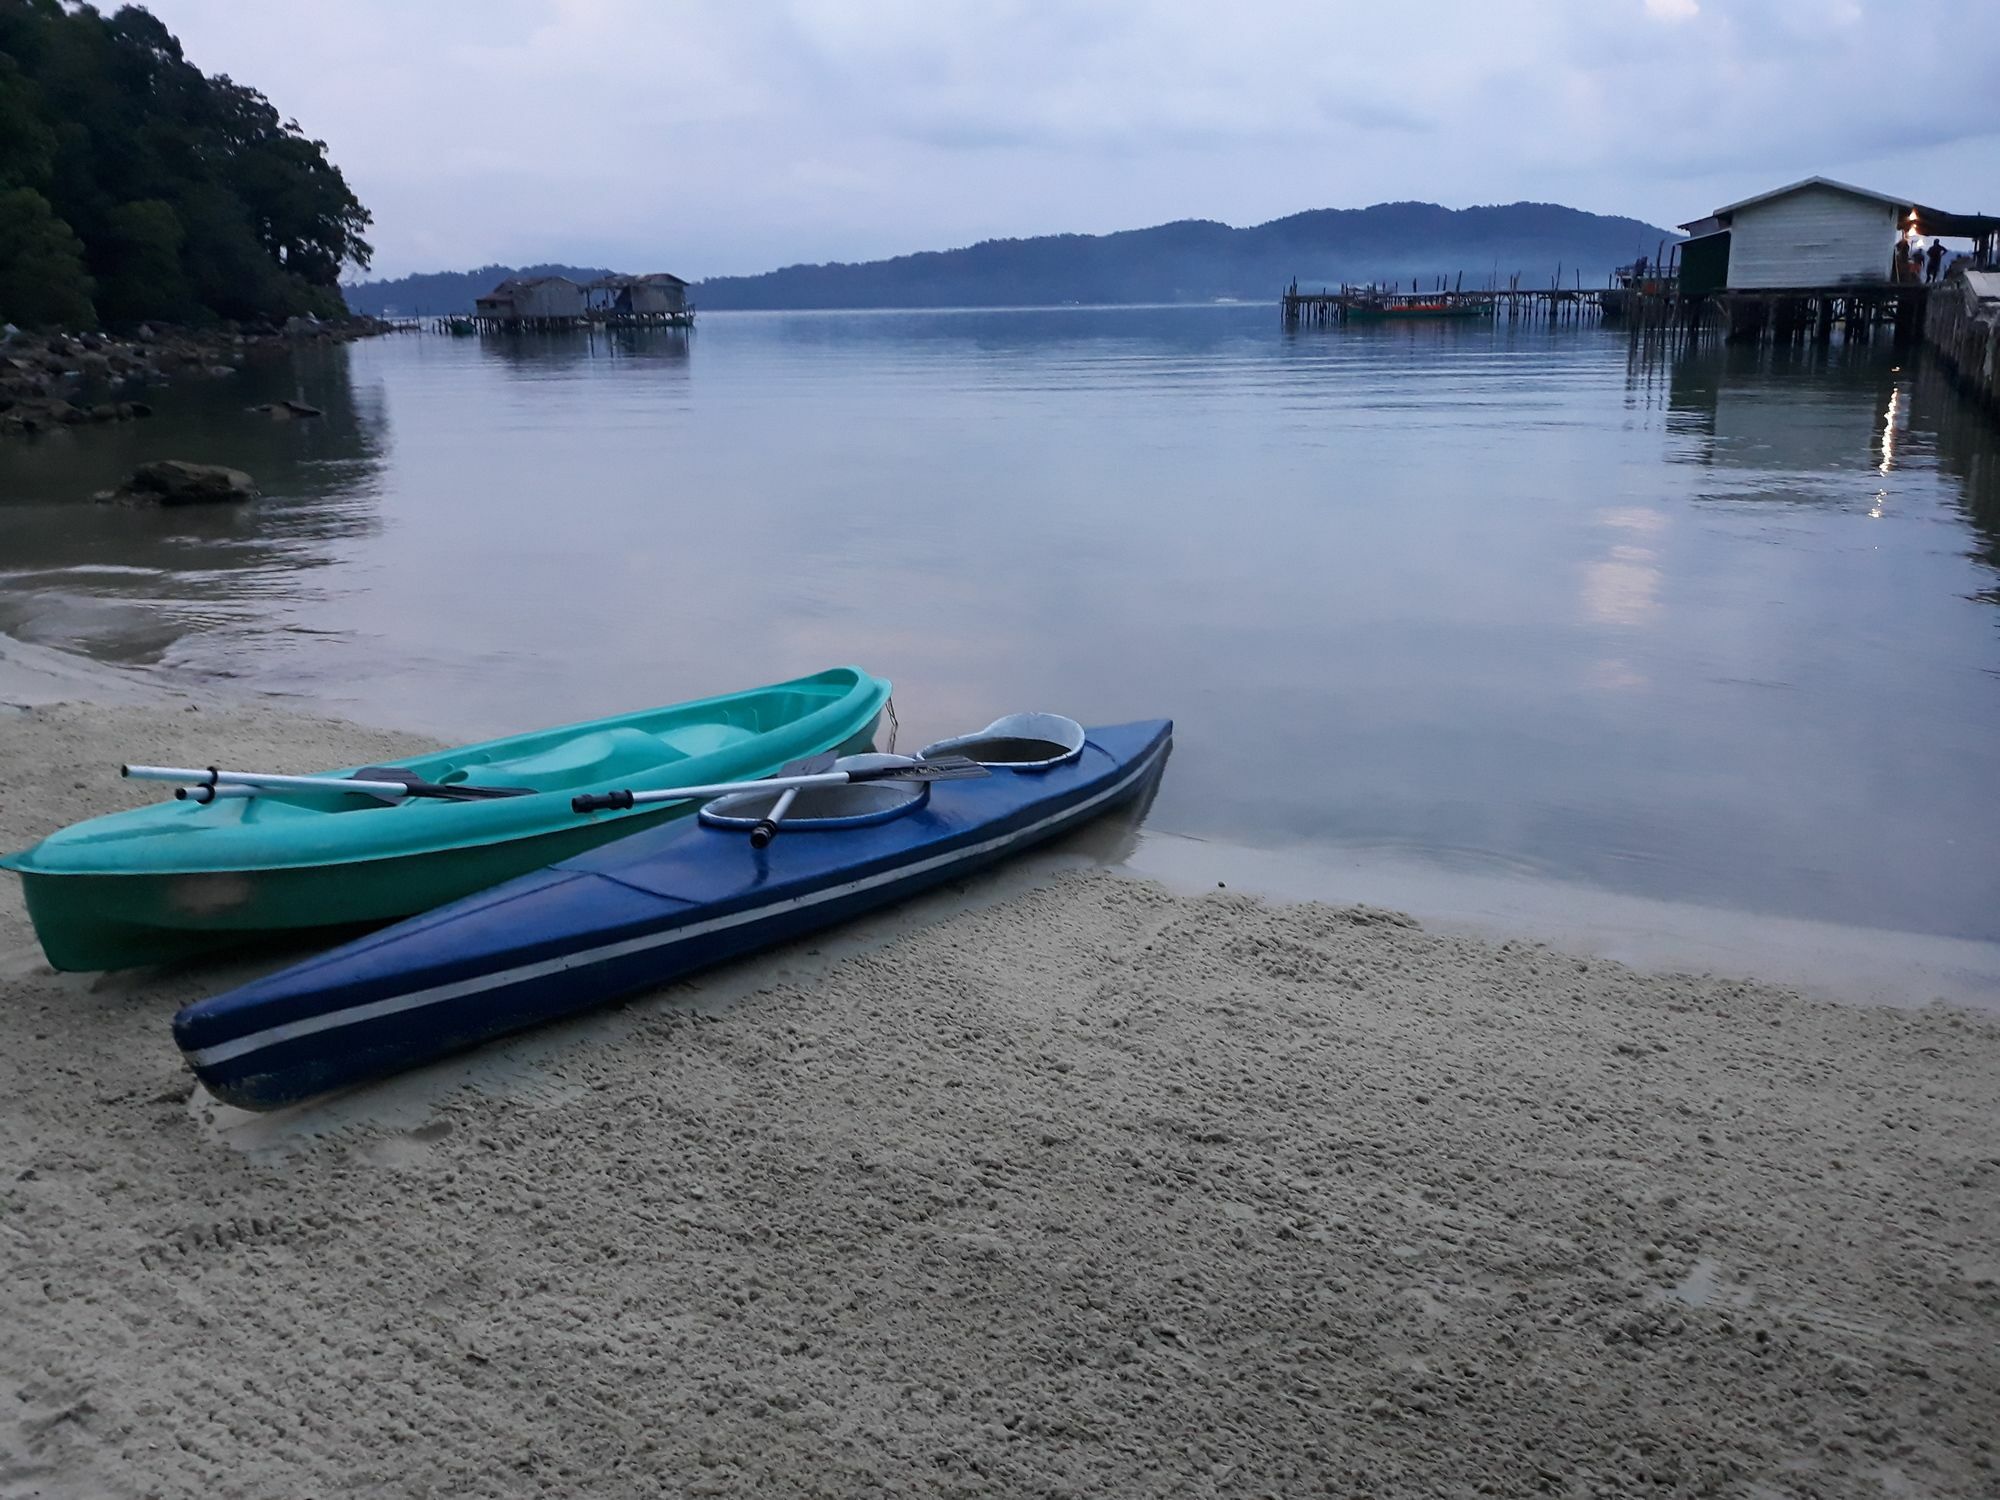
<point>288,1031</point>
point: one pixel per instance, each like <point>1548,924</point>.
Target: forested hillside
<point>133,187</point>
<point>1198,259</point>
<point>1193,260</point>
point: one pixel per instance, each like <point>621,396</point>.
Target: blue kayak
<point>639,913</point>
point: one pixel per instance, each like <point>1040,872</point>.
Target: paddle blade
<point>452,793</point>
<point>812,765</point>
<point>944,768</point>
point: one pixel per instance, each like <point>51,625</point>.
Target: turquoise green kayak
<point>178,877</point>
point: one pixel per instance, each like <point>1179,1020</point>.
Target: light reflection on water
<point>1717,627</point>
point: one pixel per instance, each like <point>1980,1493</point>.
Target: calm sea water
<point>1721,626</point>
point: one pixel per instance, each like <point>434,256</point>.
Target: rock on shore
<point>43,377</point>
<point>174,481</point>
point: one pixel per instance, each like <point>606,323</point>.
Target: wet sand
<point>1084,1188</point>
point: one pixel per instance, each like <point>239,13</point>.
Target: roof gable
<point>1811,182</point>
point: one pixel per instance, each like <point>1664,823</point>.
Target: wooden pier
<point>1647,305</point>
<point>1784,315</point>
<point>1513,302</point>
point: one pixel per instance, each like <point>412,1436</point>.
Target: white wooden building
<point>1815,233</point>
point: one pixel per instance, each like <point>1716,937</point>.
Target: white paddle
<point>944,768</point>
<point>389,782</point>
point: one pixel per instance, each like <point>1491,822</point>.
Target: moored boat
<point>644,912</point>
<point>1449,306</point>
<point>181,877</point>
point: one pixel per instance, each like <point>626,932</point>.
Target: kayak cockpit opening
<point>822,808</point>
<point>1017,742</point>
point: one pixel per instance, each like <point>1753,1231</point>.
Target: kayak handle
<point>600,801</point>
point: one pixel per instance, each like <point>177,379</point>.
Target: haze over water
<point>1716,626</point>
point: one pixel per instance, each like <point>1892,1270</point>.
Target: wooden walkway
<point>596,318</point>
<point>1647,306</point>
<point>1547,304</point>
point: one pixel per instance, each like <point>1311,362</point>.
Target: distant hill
<point>437,292</point>
<point>1193,260</point>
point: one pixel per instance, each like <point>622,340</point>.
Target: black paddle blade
<point>419,787</point>
<point>943,768</point>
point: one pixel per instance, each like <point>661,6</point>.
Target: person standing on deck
<point>1935,258</point>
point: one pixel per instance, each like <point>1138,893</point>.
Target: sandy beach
<point>1091,1189</point>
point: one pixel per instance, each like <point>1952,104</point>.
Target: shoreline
<point>1062,1183</point>
<point>43,373</point>
<point>1837,961</point>
<point>1840,961</point>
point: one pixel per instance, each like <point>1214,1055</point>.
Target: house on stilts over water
<point>1798,260</point>
<point>539,303</point>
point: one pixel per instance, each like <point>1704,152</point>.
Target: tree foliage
<point>182,197</point>
<point>42,279</point>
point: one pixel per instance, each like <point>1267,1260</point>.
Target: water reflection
<point>1795,413</point>
<point>1623,587</point>
<point>585,351</point>
<point>1962,436</point>
<point>128,581</point>
<point>1500,597</point>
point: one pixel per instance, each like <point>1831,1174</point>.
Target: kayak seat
<point>704,738</point>
<point>602,755</point>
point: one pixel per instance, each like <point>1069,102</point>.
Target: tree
<point>138,265</point>
<point>193,198</point>
<point>42,279</point>
<point>27,146</point>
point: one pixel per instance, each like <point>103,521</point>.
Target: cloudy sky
<point>714,138</point>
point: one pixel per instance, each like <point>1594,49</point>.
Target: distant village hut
<point>532,302</point>
<point>659,297</point>
<point>661,292</point>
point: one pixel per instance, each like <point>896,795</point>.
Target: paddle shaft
<point>255,781</point>
<point>204,794</point>
<point>618,801</point>
<point>384,783</point>
<point>943,768</point>
<point>767,827</point>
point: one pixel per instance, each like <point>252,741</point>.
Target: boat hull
<point>1417,314</point>
<point>173,880</point>
<point>642,913</point>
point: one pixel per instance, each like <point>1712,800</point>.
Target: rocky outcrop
<point>61,380</point>
<point>173,481</point>
<point>286,411</point>
<point>33,414</point>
